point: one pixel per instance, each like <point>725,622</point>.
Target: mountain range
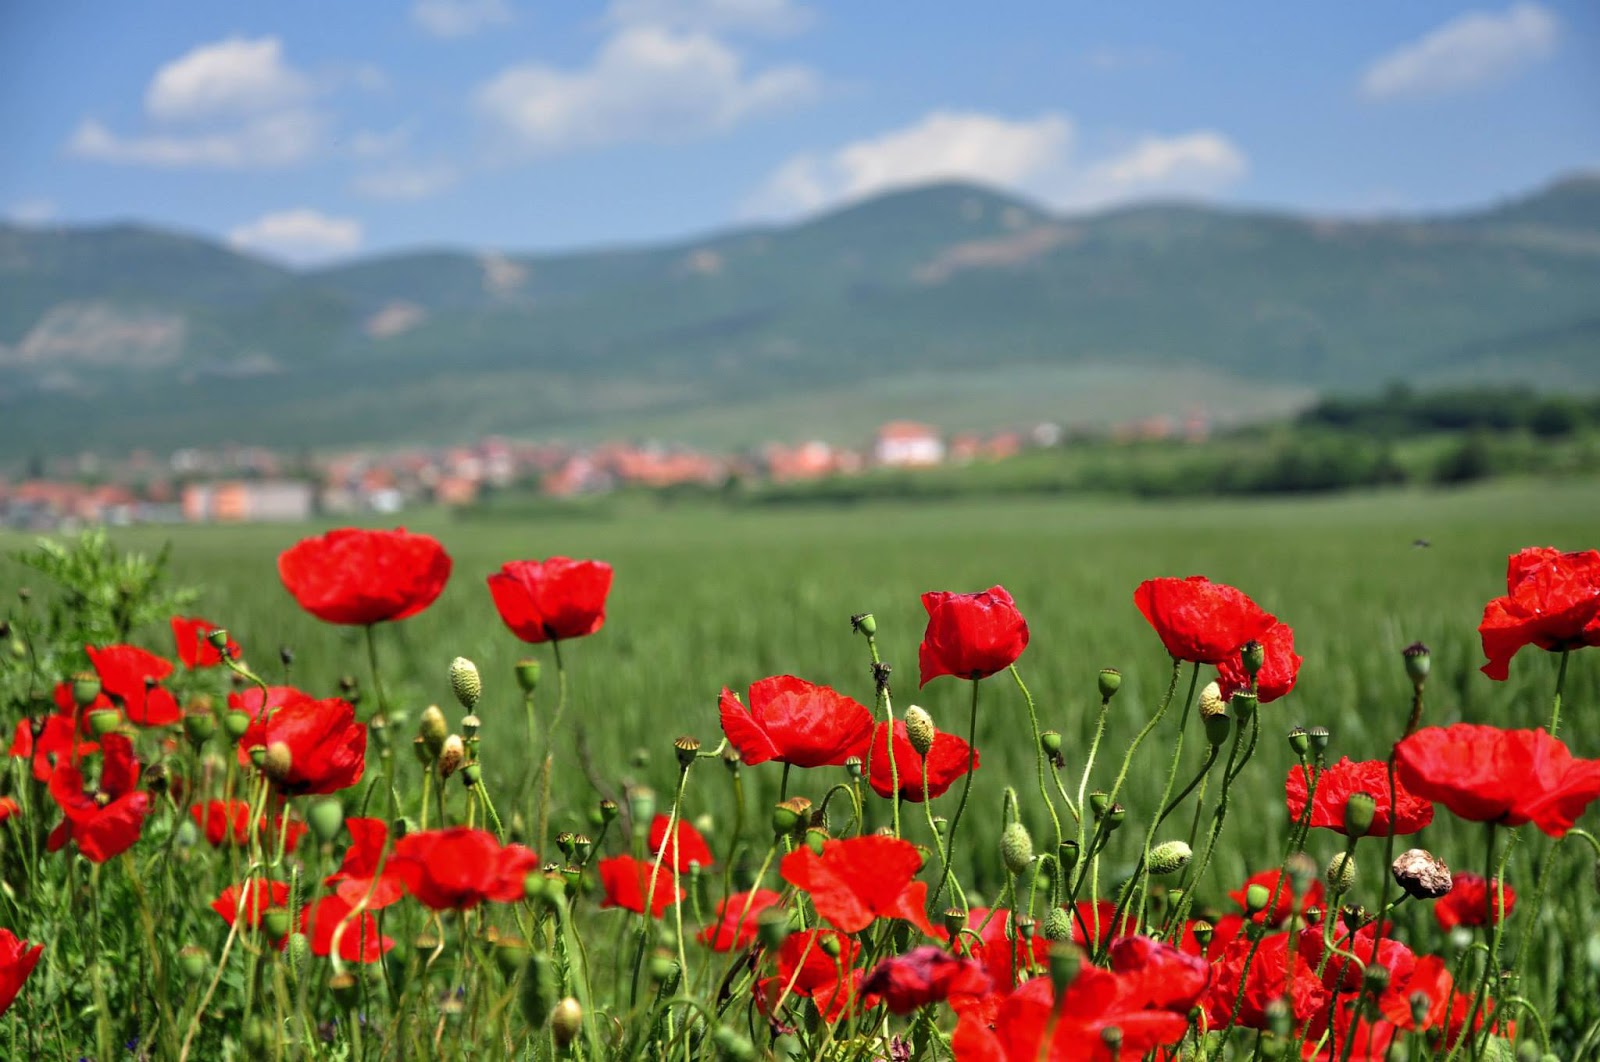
<point>950,303</point>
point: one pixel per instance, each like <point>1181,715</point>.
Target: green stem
<point>966,790</point>
<point>1555,702</point>
<point>1039,757</point>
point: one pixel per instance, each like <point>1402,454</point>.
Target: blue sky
<point>317,130</point>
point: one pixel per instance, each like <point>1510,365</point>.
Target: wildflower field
<point>444,795</point>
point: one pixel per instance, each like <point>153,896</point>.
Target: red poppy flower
<point>9,808</point>
<point>1095,1001</point>
<point>461,867</point>
<point>1470,903</point>
<point>108,821</point>
<point>194,647</point>
<point>970,636</point>
<point>251,904</point>
<point>796,722</point>
<point>354,878</point>
<point>557,599</point>
<point>806,969</point>
<point>857,880</point>
<point>1280,666</point>
<point>685,849</point>
<point>228,822</point>
<point>1431,979</point>
<point>129,674</point>
<point>1486,774</point>
<point>17,960</point>
<point>251,701</point>
<point>327,747</point>
<point>51,747</point>
<point>1552,601</point>
<point>948,759</point>
<point>1007,958</point>
<point>360,942</point>
<point>1279,912</point>
<point>360,577</point>
<point>1156,975</point>
<point>1270,977</point>
<point>736,923</point>
<point>627,881</point>
<point>1201,621</point>
<point>1371,1039</point>
<point>1335,785</point>
<point>925,975</point>
<point>1339,974</point>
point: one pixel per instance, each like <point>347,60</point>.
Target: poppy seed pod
<point>465,682</point>
<point>1016,847</point>
<point>1202,931</point>
<point>528,675</point>
<point>470,725</point>
<point>788,815</point>
<point>200,725</point>
<point>566,1022</point>
<point>235,724</point>
<point>1244,704</point>
<point>1050,744</point>
<point>1170,857</point>
<point>864,624</point>
<point>608,810</point>
<point>85,688</point>
<point>1252,655</point>
<point>920,729</point>
<point>1300,741</point>
<point>1211,702</point>
<point>451,753</point>
<point>1218,727</point>
<point>103,721</point>
<point>816,837</point>
<point>641,805</point>
<point>828,944</point>
<point>1341,873</point>
<point>1419,661</point>
<point>1319,739</point>
<point>1109,681</point>
<point>1256,898</point>
<point>276,922</point>
<point>687,748</point>
<point>1423,875</point>
<point>1359,809</point>
<point>193,960</point>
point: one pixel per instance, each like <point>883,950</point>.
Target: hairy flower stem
<point>1495,901</point>
<point>966,790</point>
<point>372,665</point>
<point>1039,762</point>
<point>1394,816</point>
<point>1143,883</point>
<point>548,762</point>
<point>1555,702</point>
<point>669,839</point>
<point>1230,771</point>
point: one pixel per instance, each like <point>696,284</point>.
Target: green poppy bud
<point>200,724</point>
<point>1256,898</point>
<point>816,837</point>
<point>326,818</point>
<point>193,961</point>
<point>1068,853</point>
<point>103,721</point>
<point>1341,873</point>
<point>528,675</point>
<point>1016,847</point>
<point>1065,962</point>
<point>1359,810</point>
<point>1252,655</point>
<point>235,724</point>
<point>472,774</point>
<point>1057,925</point>
<point>85,688</point>
<point>275,922</point>
<point>920,729</point>
<point>1218,727</point>
<point>828,944</point>
<point>662,967</point>
<point>433,728</point>
<point>465,682</point>
<point>734,1046</point>
<point>1170,857</point>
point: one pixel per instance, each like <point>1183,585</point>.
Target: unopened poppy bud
<point>1341,873</point>
<point>537,993</point>
<point>920,729</point>
<point>1211,702</point>
<point>1170,857</point>
<point>1243,704</point>
<point>326,818</point>
<point>864,624</point>
<point>1256,898</point>
<point>103,721</point>
<point>277,761</point>
<point>451,753</point>
<point>816,837</point>
<point>1217,727</point>
<point>733,1045</point>
<point>1319,740</point>
<point>662,967</point>
<point>1202,931</point>
<point>527,672</point>
<point>1300,742</point>
<point>200,725</point>
<point>1359,809</point>
<point>789,814</point>
<point>1057,925</point>
<point>608,811</point>
<point>1111,1036</point>
<point>828,944</point>
<point>465,682</point>
<point>1065,962</point>
<point>193,961</point>
<point>1016,847</point>
<point>85,688</point>
<point>433,728</point>
<point>235,724</point>
<point>772,926</point>
<point>1423,875</point>
<point>1110,681</point>
<point>218,639</point>
<point>1419,661</point>
<point>687,749</point>
<point>276,922</point>
<point>1252,655</point>
<point>641,805</point>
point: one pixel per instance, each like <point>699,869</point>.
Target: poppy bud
<point>772,926</point>
<point>864,624</point>
<point>662,967</point>
<point>1016,847</point>
<point>1050,743</point>
<point>528,675</point>
<point>326,818</point>
<point>687,749</point>
<point>451,753</point>
<point>1302,870</point>
<point>193,960</point>
<point>276,922</point>
<point>1065,962</point>
<point>85,688</point>
<point>816,836</point>
<point>218,639</point>
<point>1211,702</point>
<point>255,1036</point>
<point>1170,857</point>
<point>1111,1036</point>
<point>537,993</point>
<point>1244,704</point>
<point>1256,898</point>
<point>297,950</point>
<point>432,728</point>
<point>1252,655</point>
<point>199,724</point>
<point>1341,872</point>
<point>277,762</point>
<point>472,774</point>
<point>1110,680</point>
<point>419,748</point>
<point>465,681</point>
<point>103,721</point>
<point>641,805</point>
<point>608,811</point>
<point>789,814</point>
<point>1319,740</point>
<point>1057,925</point>
<point>1375,978</point>
<point>733,1046</point>
<point>1423,875</point>
<point>920,729</point>
<point>829,945</point>
<point>731,759</point>
<point>1419,661</point>
<point>1202,931</point>
<point>235,724</point>
<point>1359,809</point>
<point>470,725</point>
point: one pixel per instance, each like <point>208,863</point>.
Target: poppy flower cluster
<point>1336,784</point>
<point>1203,622</point>
<point>1489,774</point>
<point>1552,602</point>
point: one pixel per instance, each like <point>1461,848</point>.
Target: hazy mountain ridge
<point>121,335</point>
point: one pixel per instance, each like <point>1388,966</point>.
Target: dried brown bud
<point>1422,874</point>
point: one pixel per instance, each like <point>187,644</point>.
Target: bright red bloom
<point>9,808</point>
<point>353,879</point>
<point>1095,1001</point>
<point>52,746</point>
<point>1270,978</point>
<point>1280,666</point>
<point>1372,1038</point>
<point>970,636</point>
<point>806,969</point>
<point>17,960</point>
<point>108,821</point>
<point>1552,601</point>
<point>461,867</point>
<point>1201,621</point>
<point>796,722</point>
<point>1486,774</point>
<point>194,648</point>
<point>355,576</point>
<point>857,880</point>
<point>228,822</point>
<point>687,846</point>
<point>1157,975</point>
<point>736,923</point>
<point>129,675</point>
<point>250,700</point>
<point>67,705</point>
<point>1341,975</point>
<point>360,942</point>
<point>1470,903</point>
<point>544,601</point>
<point>1336,783</point>
<point>251,904</point>
<point>1279,912</point>
<point>327,747</point>
<point>627,881</point>
<point>948,759</point>
<point>925,975</point>
<point>1432,979</point>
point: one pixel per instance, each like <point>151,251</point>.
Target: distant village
<point>259,485</point>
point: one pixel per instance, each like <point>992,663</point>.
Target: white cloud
<point>1473,49</point>
<point>459,18</point>
<point>300,235</point>
<point>1033,156</point>
<point>405,182</point>
<point>773,17</point>
<point>32,211</point>
<point>645,84</point>
<point>237,76</point>
<point>266,141</point>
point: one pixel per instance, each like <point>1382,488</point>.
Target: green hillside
<point>119,336</point>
